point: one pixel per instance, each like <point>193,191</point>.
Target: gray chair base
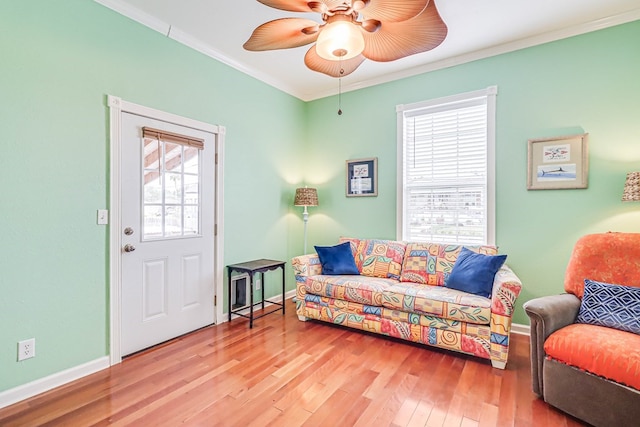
<point>588,397</point>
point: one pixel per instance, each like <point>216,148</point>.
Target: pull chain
<point>340,96</point>
<point>340,89</point>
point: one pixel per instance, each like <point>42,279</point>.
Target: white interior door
<point>167,221</point>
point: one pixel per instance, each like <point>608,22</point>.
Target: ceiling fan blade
<point>282,33</point>
<point>395,40</point>
<point>331,68</point>
<point>393,10</point>
<point>319,6</point>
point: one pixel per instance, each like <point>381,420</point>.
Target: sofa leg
<point>302,318</point>
<point>498,364</point>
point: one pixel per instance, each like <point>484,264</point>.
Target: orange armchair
<point>587,370</point>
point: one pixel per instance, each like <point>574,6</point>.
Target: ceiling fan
<point>352,31</point>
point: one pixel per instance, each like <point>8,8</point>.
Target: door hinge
<point>215,300</point>
<point>216,158</point>
<point>215,229</point>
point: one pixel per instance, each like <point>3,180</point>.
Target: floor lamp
<point>305,197</point>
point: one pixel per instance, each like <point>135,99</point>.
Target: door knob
<point>129,248</point>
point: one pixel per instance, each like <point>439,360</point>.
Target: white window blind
<point>446,170</point>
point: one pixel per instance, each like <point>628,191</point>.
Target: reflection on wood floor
<point>289,373</point>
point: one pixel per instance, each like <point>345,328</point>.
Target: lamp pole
<point>305,219</point>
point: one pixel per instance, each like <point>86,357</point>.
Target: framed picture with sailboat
<point>558,163</point>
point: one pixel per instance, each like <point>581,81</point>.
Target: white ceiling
<point>477,29</point>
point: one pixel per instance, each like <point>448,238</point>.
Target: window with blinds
<point>446,169</point>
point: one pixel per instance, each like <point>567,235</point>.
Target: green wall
<point>59,60</point>
<point>582,84</point>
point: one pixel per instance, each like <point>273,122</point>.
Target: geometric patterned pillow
<point>614,306</point>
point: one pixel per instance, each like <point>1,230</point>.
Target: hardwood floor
<point>285,372</point>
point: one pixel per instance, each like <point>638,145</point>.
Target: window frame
<point>490,93</point>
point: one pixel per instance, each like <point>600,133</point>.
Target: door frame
<point>117,106</point>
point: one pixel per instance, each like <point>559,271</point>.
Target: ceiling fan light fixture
<point>352,31</point>
<point>339,40</point>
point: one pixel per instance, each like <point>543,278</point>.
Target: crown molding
<point>184,38</point>
<point>540,39</point>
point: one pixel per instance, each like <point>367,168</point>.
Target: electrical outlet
<point>26,349</point>
<point>258,284</point>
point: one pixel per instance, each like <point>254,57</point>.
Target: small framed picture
<point>558,163</point>
<point>362,177</point>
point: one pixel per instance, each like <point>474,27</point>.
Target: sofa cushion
<point>435,322</point>
<point>378,258</point>
<point>431,263</point>
<point>464,337</point>
<point>474,273</point>
<point>361,289</point>
<point>337,259</point>
<point>602,351</point>
<point>614,306</point>
<point>437,301</point>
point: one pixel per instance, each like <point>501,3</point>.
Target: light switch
<point>103,217</point>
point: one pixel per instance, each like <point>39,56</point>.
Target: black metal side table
<point>252,267</point>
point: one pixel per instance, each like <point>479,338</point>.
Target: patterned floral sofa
<point>400,292</point>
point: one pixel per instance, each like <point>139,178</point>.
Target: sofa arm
<point>547,315</point>
<point>506,288</point>
<point>303,267</point>
<point>306,265</point>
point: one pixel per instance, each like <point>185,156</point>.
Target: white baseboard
<point>278,298</point>
<point>518,328</point>
<point>25,391</point>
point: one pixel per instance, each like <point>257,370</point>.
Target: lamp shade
<point>340,40</point>
<point>306,197</point>
<point>632,188</point>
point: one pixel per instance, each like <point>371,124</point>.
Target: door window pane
<point>173,221</point>
<point>152,154</point>
<point>173,188</point>
<point>191,189</point>
<point>153,222</point>
<point>152,187</point>
<point>191,164</point>
<point>172,157</point>
<point>191,220</point>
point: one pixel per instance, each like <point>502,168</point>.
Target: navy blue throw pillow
<point>613,306</point>
<point>474,273</point>
<point>337,259</point>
